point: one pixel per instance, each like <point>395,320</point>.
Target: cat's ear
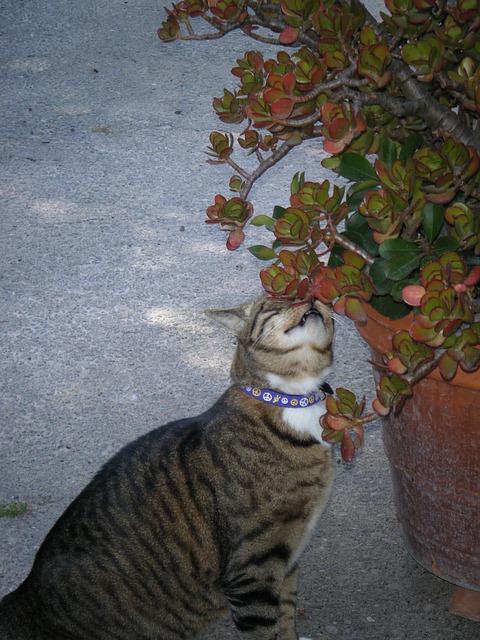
<point>233,319</point>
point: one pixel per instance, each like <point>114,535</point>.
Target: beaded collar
<point>288,401</point>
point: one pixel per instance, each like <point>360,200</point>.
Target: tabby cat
<point>203,516</point>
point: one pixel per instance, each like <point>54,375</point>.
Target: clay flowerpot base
<point>433,447</point>
<point>466,603</point>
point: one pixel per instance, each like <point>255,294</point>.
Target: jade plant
<point>395,105</point>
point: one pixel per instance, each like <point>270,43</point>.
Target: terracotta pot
<point>433,446</point>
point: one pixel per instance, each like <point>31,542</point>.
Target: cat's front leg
<point>264,608</point>
<point>288,606</point>
<point>255,605</point>
<point>256,616</point>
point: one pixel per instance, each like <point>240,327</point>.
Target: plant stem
<point>275,157</point>
<point>351,246</point>
<point>424,369</point>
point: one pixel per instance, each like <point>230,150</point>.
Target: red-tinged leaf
<point>422,321</point>
<point>347,448</point>
<point>379,408</point>
<point>328,435</point>
<point>355,311</point>
<point>412,294</point>
<point>473,277</point>
<point>424,334</point>
<point>282,109</point>
<point>335,147</point>
<point>287,258</point>
<point>353,259</point>
<point>235,239</point>
<point>396,366</point>
<point>360,122</point>
<point>325,290</point>
<point>288,83</point>
<point>358,437</point>
<point>279,283</point>
<point>448,367</point>
<point>471,361</point>
<point>305,262</point>
<point>348,401</point>
<point>338,423</point>
<point>288,35</point>
<point>443,197</point>
<point>272,95</point>
<point>304,290</point>
<point>331,405</point>
<point>399,404</point>
<point>258,60</point>
<point>339,306</point>
<point>360,407</point>
<point>339,128</point>
<point>452,326</point>
<point>291,289</point>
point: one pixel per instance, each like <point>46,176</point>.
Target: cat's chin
<point>309,331</point>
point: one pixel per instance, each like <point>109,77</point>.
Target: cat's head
<point>285,346</point>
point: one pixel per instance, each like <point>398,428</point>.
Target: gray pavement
<point>106,267</point>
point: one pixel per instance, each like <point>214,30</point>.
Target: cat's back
<point>116,555</point>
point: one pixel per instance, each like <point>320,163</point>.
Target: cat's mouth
<point>312,313</point>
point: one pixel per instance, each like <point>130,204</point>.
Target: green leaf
<point>335,259</point>
<point>278,212</point>
<point>445,244</point>
<point>391,248</point>
<point>382,283</point>
<point>387,150</point>
<point>432,220</point>
<point>355,167</point>
<point>297,182</point>
<point>402,265</point>
<point>389,308</point>
<point>363,240</point>
<point>265,221</point>
<point>263,253</point>
<point>410,146</point>
<point>294,139</point>
<point>470,259</point>
<point>356,223</point>
<point>357,191</point>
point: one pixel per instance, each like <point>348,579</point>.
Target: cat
<point>204,516</point>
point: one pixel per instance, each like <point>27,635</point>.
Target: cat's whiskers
<point>343,322</point>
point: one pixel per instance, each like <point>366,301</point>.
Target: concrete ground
<point>106,267</point>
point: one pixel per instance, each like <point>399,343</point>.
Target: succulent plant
<point>395,103</point>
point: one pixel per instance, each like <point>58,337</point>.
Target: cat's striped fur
<point>200,517</point>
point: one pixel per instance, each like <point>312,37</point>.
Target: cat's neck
<point>303,421</point>
<point>297,386</point>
